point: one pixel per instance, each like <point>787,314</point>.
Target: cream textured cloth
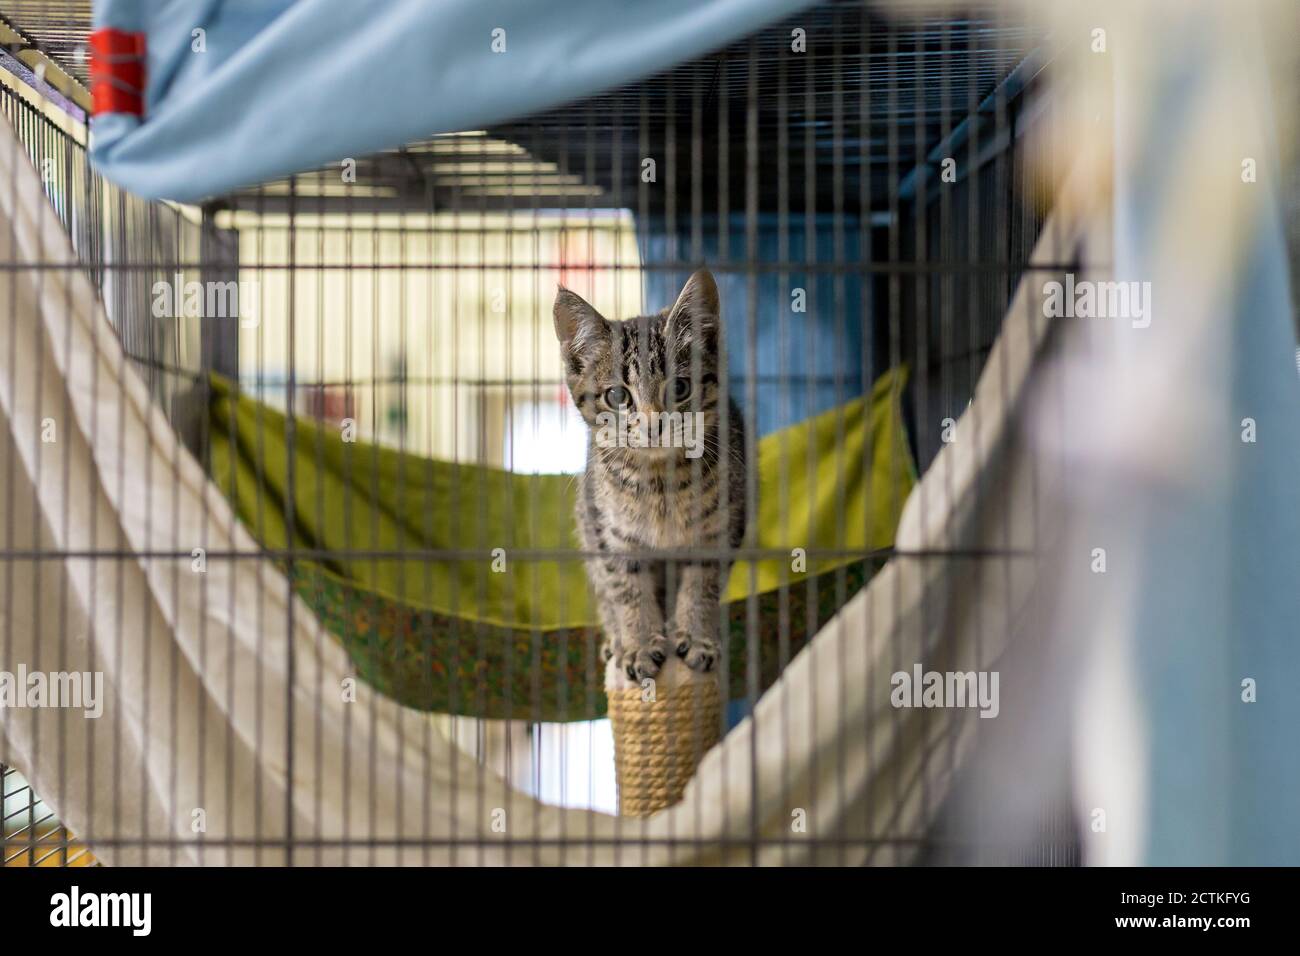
<point>209,675</point>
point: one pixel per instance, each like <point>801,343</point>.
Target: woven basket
<point>659,743</point>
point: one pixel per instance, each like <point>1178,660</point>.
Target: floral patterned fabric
<point>450,665</point>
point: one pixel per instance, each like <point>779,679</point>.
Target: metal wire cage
<point>406,296</point>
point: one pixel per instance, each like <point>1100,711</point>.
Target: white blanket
<point>210,676</point>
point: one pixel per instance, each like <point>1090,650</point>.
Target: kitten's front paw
<point>699,653</point>
<point>644,658</point>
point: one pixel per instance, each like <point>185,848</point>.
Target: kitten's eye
<point>681,389</point>
<point>618,396</point>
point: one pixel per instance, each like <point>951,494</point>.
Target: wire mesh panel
<point>127,244</point>
<point>397,370</point>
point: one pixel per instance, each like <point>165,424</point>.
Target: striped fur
<point>644,512</point>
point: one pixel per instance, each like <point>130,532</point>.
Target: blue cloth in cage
<point>800,336</point>
<point>243,91</point>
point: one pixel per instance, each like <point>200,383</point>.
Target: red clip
<point>117,73</point>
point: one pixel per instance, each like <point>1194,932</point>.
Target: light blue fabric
<point>289,85</point>
<point>1224,776</point>
<point>1218,559</point>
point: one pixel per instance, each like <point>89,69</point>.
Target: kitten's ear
<point>697,307</point>
<point>577,324</point>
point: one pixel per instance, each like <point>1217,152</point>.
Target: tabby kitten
<point>639,496</point>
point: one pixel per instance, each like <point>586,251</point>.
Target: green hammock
<point>452,586</point>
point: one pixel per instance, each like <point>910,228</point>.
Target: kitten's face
<point>636,382</point>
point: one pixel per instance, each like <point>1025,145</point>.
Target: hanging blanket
<point>222,691</point>
<point>396,553</point>
<point>196,97</point>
